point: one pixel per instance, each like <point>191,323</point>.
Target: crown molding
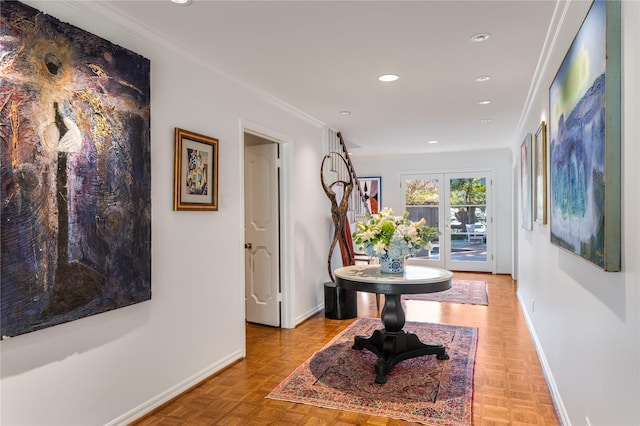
<point>109,15</point>
<point>550,42</point>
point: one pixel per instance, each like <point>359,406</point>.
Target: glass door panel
<point>424,198</point>
<point>458,205</point>
<point>468,201</point>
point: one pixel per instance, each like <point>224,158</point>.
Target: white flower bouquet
<point>396,236</point>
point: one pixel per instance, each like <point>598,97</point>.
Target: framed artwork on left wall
<point>76,173</point>
<point>195,171</point>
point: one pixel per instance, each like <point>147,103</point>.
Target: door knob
<point>247,245</point>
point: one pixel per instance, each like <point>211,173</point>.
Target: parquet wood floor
<point>509,386</point>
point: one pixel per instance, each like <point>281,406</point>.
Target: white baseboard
<point>563,416</point>
<point>157,401</point>
<point>311,312</point>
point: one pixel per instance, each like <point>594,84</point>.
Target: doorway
<point>267,289</point>
<point>262,231</point>
<point>459,206</point>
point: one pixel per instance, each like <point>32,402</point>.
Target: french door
<point>459,206</point>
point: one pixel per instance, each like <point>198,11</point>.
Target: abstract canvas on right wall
<point>585,131</point>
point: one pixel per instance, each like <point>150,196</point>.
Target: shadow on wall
<point>57,343</point>
<point>608,287</point>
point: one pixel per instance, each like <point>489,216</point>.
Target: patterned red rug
<point>461,291</point>
<point>422,390</point>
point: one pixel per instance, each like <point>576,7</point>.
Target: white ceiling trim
<point>138,29</point>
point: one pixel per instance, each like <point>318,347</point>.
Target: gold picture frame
<point>540,169</point>
<point>195,171</point>
<point>526,182</point>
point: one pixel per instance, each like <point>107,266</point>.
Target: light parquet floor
<point>509,386</point>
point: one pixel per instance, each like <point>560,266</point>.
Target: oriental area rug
<point>421,390</point>
<point>462,291</point>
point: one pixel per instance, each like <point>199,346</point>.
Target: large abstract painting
<point>76,177</point>
<point>585,128</point>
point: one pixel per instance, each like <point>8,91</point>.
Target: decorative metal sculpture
<point>338,211</point>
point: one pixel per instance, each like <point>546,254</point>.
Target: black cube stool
<point>339,303</point>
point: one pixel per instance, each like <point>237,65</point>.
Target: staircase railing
<point>358,205</point>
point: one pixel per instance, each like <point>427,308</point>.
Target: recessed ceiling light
<point>388,77</point>
<point>345,112</point>
<point>485,102</point>
<point>482,78</point>
<point>485,120</point>
<point>182,2</point>
<point>480,37</point>
<point>432,142</point>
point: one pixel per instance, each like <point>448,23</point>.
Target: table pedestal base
<point>393,347</point>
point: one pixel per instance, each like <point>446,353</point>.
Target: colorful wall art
<point>76,173</point>
<point>585,128</point>
<point>371,187</point>
<point>195,171</point>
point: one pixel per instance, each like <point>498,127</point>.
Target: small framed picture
<point>540,181</point>
<point>371,188</point>
<point>195,171</point>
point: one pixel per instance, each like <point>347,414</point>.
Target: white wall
<point>497,161</point>
<point>587,321</point>
<point>106,368</point>
<point>109,368</point>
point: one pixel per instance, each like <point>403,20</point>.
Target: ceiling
<point>324,57</point>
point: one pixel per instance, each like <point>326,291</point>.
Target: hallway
<point>509,384</point>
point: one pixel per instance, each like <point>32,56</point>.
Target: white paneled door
<point>262,259</point>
